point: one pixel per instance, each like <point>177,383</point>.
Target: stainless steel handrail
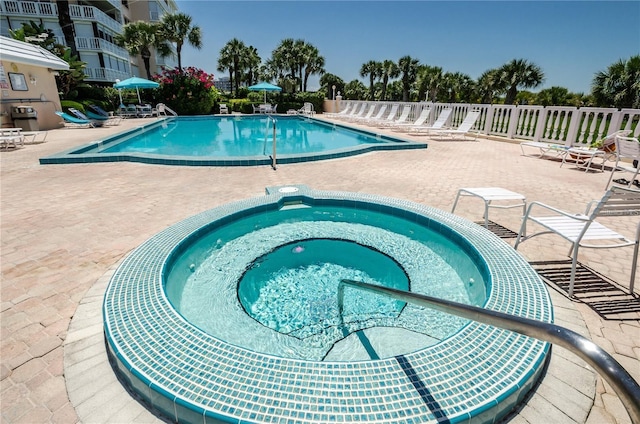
<point>264,148</point>
<point>624,385</point>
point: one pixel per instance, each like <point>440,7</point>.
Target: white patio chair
<point>223,108</point>
<point>368,118</point>
<point>364,113</point>
<point>438,124</point>
<point>583,229</point>
<point>627,150</point>
<point>459,133</point>
<point>389,118</point>
<point>343,112</point>
<point>402,119</point>
<point>419,122</point>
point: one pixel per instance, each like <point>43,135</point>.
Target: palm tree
<point>314,64</point>
<point>488,86</point>
<point>286,60</point>
<point>176,28</point>
<point>519,73</point>
<point>619,85</point>
<point>429,80</point>
<point>408,69</point>
<point>354,90</point>
<point>139,38</point>
<point>251,64</point>
<point>374,70</point>
<point>327,81</point>
<point>389,69</point>
<point>231,57</point>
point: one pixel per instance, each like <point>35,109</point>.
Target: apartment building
<point>89,28</point>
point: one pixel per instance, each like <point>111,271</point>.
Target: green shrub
<point>66,104</point>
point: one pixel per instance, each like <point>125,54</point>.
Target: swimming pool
<point>243,140</point>
<point>478,373</point>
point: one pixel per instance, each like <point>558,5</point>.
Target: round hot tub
<point>233,315</point>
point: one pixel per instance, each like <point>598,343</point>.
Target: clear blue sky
<point>569,40</point>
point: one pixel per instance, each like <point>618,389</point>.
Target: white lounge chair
<point>556,150</point>
<point>364,113</point>
<point>377,116</point>
<point>584,156</point>
<point>627,151</point>
<point>580,229</point>
<point>223,108</point>
<point>389,118</point>
<point>11,138</point>
<point>343,112</point>
<point>419,122</point>
<point>358,110</point>
<point>459,133</point>
<point>402,119</point>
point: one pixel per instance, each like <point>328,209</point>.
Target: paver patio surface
<point>64,227</point>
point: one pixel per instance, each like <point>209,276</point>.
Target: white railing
<point>105,74</point>
<point>90,13</point>
<point>100,45</point>
<point>28,8</point>
<point>570,126</point>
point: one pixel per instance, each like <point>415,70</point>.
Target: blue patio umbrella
<point>264,87</point>
<point>137,83</point>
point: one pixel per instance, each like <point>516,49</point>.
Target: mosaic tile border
<point>85,154</point>
<point>477,375</point>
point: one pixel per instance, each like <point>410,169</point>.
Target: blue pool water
<point>232,140</point>
<point>201,332</point>
<point>281,270</point>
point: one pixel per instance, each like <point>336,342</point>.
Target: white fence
<point>569,126</point>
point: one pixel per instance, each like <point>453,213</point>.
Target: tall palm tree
<point>619,85</point>
<point>388,70</point>
<point>285,59</point>
<point>408,69</point>
<point>139,38</point>
<point>374,70</point>
<point>251,65</point>
<point>519,73</point>
<point>327,81</point>
<point>231,57</point>
<point>488,86</point>
<point>429,80</point>
<point>313,64</point>
<point>176,28</point>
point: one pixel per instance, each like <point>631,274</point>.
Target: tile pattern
<point>181,370</point>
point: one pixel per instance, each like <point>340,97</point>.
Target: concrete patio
<point>64,228</point>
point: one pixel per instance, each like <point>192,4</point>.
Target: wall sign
<point>18,82</point>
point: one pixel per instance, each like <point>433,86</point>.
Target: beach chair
<point>582,229</point>
<point>389,118</point>
<point>377,116</point>
<point>358,110</point>
<point>402,119</point>
<point>343,112</point>
<point>364,113</point>
<point>80,115</point>
<point>11,138</point>
<point>627,157</point>
<point>73,122</point>
<point>437,125</point>
<point>96,113</point>
<point>605,150</point>
<point>555,150</point>
<point>459,133</point>
<point>419,122</point>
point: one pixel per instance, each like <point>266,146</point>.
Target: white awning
<point>30,54</point>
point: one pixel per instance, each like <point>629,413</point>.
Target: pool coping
<point>470,344</point>
<point>82,154</point>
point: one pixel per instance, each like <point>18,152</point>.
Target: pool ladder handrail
<point>266,136</point>
<point>624,385</point>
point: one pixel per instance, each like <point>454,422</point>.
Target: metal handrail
<point>264,148</point>
<point>624,385</point>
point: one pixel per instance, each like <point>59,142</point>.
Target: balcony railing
<point>104,75</point>
<point>570,126</point>
<point>100,45</point>
<point>90,13</point>
<point>28,8</point>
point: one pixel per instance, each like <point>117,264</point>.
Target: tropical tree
<point>251,65</point>
<point>373,69</point>
<point>231,58</point>
<point>327,81</point>
<point>139,38</point>
<point>388,70</point>
<point>285,59</point>
<point>488,86</point>
<point>619,85</point>
<point>176,28</point>
<point>314,64</point>
<point>408,70</point>
<point>554,96</point>
<point>354,90</point>
<point>519,73</point>
<point>429,79</point>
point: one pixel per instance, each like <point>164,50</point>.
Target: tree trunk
<point>66,23</point>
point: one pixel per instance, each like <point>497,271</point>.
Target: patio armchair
<point>583,229</point>
<point>627,156</point>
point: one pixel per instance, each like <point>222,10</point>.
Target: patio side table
<point>491,194</point>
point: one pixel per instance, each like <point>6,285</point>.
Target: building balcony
<point>104,75</point>
<point>102,46</point>
<point>92,14</point>
<point>28,8</point>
